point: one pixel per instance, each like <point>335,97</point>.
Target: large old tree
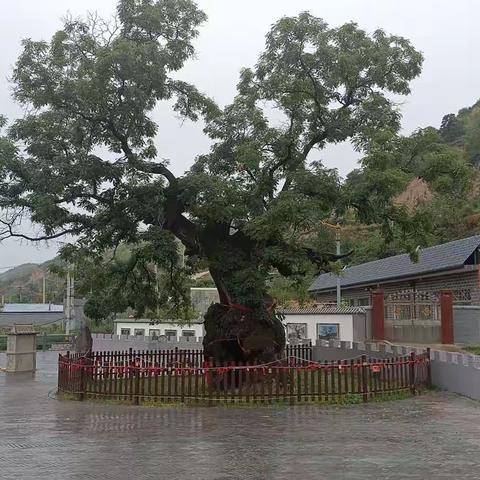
<point>83,160</point>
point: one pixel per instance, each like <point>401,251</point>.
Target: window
<point>154,332</point>
<point>464,295</point>
<point>363,302</point>
<point>188,333</point>
<point>139,332</point>
<point>351,302</point>
<point>296,332</point>
<point>125,331</point>
<point>170,333</point>
<point>328,331</point>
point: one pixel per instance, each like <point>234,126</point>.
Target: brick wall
<point>465,286</point>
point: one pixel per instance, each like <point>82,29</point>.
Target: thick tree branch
<point>9,233</point>
<point>146,167</point>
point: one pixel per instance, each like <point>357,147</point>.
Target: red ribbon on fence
<point>375,367</point>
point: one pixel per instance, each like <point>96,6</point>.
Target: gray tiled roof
<point>328,310</point>
<point>31,307</point>
<point>35,318</point>
<point>433,259</point>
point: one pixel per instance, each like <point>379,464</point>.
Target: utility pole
<point>337,243</point>
<point>67,303</point>
<point>43,289</point>
<point>157,290</point>
<point>337,228</point>
<point>70,302</point>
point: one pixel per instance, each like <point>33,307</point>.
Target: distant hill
<point>18,272</point>
<point>24,283</point>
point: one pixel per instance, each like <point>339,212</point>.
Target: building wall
<point>362,326</point>
<point>456,373</point>
<point>466,324</point>
<point>159,329</point>
<point>344,321</point>
<point>465,286</point>
<point>109,342</point>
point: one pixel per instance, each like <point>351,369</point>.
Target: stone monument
<point>22,349</point>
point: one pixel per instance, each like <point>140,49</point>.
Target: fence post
<point>60,373</point>
<point>378,315</point>
<point>364,378</point>
<point>412,372</point>
<point>429,368</point>
<point>446,316</point>
<point>136,369</point>
<point>128,378</point>
<point>292,386</point>
<point>182,384</point>
<point>82,383</point>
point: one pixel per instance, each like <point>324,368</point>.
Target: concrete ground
<point>435,436</point>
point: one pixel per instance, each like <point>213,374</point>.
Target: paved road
<point>436,436</point>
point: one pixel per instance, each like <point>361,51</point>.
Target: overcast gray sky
<point>445,31</point>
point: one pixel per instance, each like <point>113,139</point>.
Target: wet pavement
<point>435,436</point>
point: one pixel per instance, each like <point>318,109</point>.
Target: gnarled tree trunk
<point>239,334</point>
<point>243,327</point>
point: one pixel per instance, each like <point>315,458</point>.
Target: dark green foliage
<point>452,129</point>
<point>391,163</point>
<point>472,136</point>
<point>84,162</point>
<point>463,131</point>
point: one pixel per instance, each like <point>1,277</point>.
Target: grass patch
<point>337,401</point>
<point>66,396</point>
<point>475,349</point>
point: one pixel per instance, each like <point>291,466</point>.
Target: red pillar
<point>446,316</point>
<point>378,315</point>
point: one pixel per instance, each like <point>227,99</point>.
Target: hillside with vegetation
<point>24,283</point>
<point>433,175</point>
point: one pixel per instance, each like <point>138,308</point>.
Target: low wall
<point>102,342</point>
<point>456,372</point>
<point>466,324</point>
<point>335,350</point>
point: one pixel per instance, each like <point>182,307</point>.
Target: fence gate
<point>413,316</point>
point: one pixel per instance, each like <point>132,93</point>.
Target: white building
<point>351,324</point>
<point>327,323</point>
<point>144,327</point>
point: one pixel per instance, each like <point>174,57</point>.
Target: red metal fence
<point>182,376</point>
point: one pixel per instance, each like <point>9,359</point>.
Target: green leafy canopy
<point>244,207</point>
